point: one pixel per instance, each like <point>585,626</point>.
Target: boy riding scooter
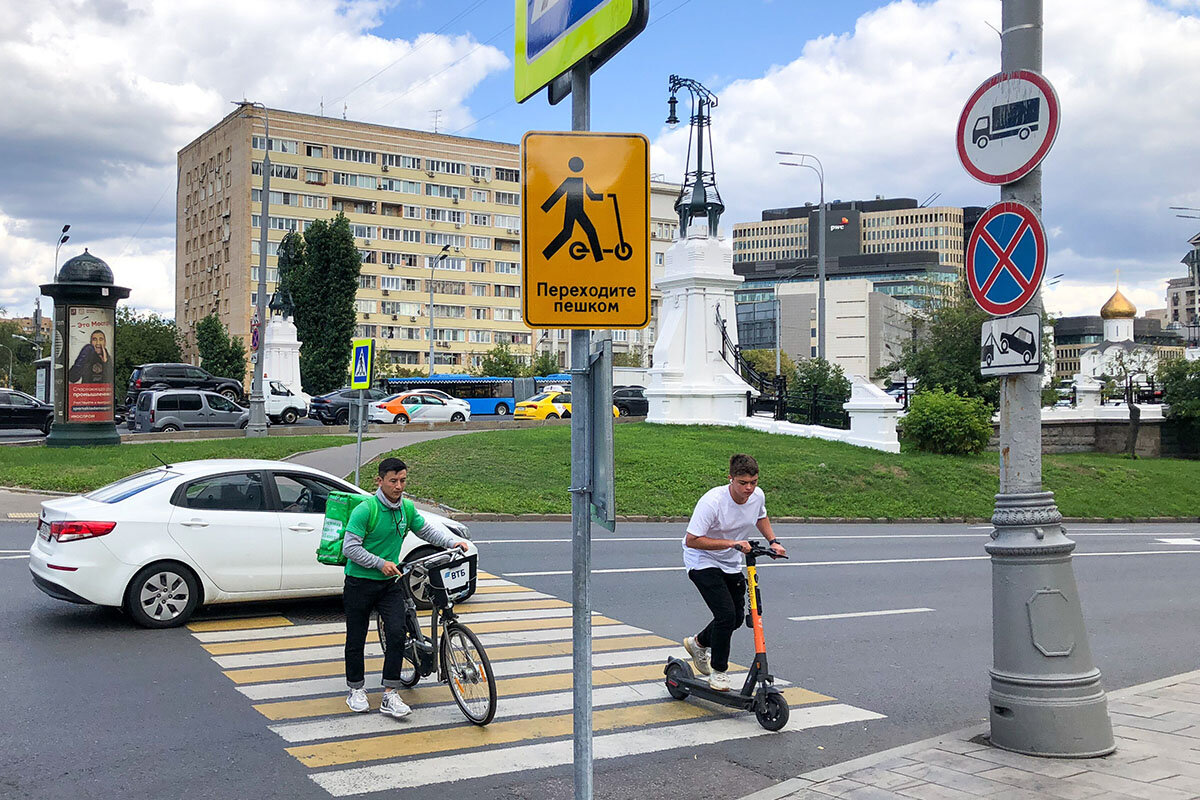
<point>724,518</point>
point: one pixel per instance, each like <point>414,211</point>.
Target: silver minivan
<point>176,409</point>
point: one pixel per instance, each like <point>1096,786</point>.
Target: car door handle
<point>194,523</point>
<point>303,528</point>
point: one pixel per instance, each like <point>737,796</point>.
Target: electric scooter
<point>623,250</point>
<point>758,692</point>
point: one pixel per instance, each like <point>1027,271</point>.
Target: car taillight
<point>152,415</point>
<point>79,529</point>
<point>381,405</point>
<point>137,384</point>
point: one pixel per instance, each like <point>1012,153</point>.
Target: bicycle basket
<point>454,581</point>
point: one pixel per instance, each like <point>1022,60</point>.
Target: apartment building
<point>406,193</point>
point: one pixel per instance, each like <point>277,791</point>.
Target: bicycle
<point>460,661</point>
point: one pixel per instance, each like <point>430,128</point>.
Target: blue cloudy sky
<point>99,95</point>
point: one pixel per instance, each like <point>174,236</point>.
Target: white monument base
<point>281,353</point>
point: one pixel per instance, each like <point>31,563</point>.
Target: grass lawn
<point>81,469</point>
<point>661,470</point>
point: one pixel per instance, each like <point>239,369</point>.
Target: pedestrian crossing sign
<point>585,215</point>
<point>363,363</point>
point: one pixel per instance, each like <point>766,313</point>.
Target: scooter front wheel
<point>623,251</point>
<point>677,672</point>
<point>774,713</point>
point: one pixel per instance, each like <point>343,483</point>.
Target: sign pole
<point>1045,696</point>
<point>581,523</point>
<point>358,449</point>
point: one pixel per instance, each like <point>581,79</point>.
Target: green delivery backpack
<point>337,514</point>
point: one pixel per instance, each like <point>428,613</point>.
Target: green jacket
<point>384,540</point>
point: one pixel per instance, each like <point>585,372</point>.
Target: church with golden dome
<point>1118,354</point>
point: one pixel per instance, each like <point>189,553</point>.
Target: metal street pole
<point>778,327</point>
<point>62,239</point>
<point>820,170</point>
<point>257,426</point>
<point>1045,696</point>
<point>441,256</point>
<point>581,522</point>
<point>10,364</point>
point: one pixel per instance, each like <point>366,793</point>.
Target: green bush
<point>943,422</point>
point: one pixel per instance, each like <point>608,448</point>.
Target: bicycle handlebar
<point>444,556</point>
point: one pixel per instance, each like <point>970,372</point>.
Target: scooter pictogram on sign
<point>1006,258</point>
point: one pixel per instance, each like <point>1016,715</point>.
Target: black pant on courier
<point>725,595</point>
<point>360,597</point>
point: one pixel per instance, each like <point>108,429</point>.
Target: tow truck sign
<point>1009,345</point>
<point>1007,126</point>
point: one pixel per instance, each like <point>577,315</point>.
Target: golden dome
<point>1118,307</point>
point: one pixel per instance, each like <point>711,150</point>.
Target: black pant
<point>725,595</point>
<point>360,597</point>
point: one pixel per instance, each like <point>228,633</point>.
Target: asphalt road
<point>97,708</point>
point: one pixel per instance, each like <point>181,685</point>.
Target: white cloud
<point>107,91</point>
<point>879,107</point>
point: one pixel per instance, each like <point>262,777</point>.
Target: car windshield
<point>537,398</point>
<point>127,487</point>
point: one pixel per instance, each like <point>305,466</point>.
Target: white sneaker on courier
<point>699,655</point>
<point>719,682</point>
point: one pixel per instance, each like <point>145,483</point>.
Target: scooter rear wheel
<point>678,672</point>
<point>774,715</point>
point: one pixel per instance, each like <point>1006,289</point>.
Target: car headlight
<point>458,529</point>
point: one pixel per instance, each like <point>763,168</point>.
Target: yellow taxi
<point>548,405</point>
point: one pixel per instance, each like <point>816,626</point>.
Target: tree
<point>546,363</point>
<point>323,293</point>
<point>636,357</point>
<point>18,353</point>
<point>1181,393</point>
<point>944,353</point>
<point>143,338</point>
<point>221,354</point>
<point>816,376</point>
<point>500,362</point>
<point>294,278</point>
<point>764,362</point>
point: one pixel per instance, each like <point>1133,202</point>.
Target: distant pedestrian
<point>724,518</point>
<point>372,564</point>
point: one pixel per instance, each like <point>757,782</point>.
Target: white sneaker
<point>719,682</point>
<point>699,655</point>
<point>357,700</point>
<point>393,706</point>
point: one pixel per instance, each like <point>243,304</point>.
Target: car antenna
<point>165,464</point>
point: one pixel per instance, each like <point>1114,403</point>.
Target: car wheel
<point>242,425</point>
<point>342,417</point>
<point>325,421</point>
<point>162,595</point>
<point>418,584</point>
<point>229,393</point>
<point>289,416</point>
<point>552,415</point>
<point>501,410</point>
<point>400,419</point>
<point>169,428</point>
<point>457,417</point>
<point>47,425</point>
<point>623,411</point>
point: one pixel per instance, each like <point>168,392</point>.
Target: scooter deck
<point>732,699</point>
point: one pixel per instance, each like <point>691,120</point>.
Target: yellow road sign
<point>585,213</point>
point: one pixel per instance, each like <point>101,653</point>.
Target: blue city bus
<point>485,395</point>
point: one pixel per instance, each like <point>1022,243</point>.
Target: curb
<point>782,790</point>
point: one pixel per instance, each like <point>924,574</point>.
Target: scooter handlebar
<point>756,550</point>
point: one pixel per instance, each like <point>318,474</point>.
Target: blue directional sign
<point>363,363</point>
<point>1006,258</point>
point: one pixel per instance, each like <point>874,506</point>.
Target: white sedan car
<point>165,541</point>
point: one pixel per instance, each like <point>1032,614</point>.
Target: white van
<point>285,405</point>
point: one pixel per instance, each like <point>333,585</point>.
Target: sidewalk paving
<point>1157,729</point>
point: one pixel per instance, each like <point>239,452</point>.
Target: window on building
<point>505,174</point>
<point>353,154</point>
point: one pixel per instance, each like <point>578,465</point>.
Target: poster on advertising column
<point>90,376</point>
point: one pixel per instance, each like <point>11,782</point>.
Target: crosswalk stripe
<point>335,634</point>
<point>239,624</point>
<point>493,582</point>
<point>463,766</point>
<point>480,589</point>
<point>477,598</point>
<point>507,690</point>
<point>535,666</point>
<point>511,605</point>
<point>309,629</point>
<point>260,667</point>
<point>374,748</point>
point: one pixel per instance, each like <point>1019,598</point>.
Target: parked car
<point>284,405</point>
<point>419,406</point>
<point>334,408</point>
<point>19,410</point>
<point>176,409</point>
<point>548,405</point>
<point>631,401</point>
<point>450,399</point>
<point>178,376</point>
<point>163,542</point>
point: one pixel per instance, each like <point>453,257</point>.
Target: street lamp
<point>10,364</point>
<point>62,239</point>
<point>820,170</point>
<point>257,426</point>
<point>441,257</point>
<point>37,346</point>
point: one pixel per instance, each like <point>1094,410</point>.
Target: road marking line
<point>310,686</point>
<point>1191,542</point>
<point>338,634</point>
<point>860,614</point>
<point>477,599</point>
<point>511,605</point>
<point>239,624</point>
<point>463,766</point>
<point>506,689</point>
<point>351,751</point>
<point>23,551</point>
<point>481,581</point>
<point>22,515</point>
<point>10,558</point>
<point>482,590</point>
<point>334,664</point>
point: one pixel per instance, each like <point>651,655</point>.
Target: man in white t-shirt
<point>724,518</point>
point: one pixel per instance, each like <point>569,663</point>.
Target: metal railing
<point>772,389</point>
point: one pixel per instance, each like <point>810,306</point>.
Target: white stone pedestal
<point>873,415</point>
<point>1087,392</point>
<point>690,384</point>
<point>281,351</point>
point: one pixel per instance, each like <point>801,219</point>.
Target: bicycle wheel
<point>408,667</point>
<point>469,673</point>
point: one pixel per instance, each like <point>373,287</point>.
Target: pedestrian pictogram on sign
<point>1007,126</point>
<point>1006,258</point>
<point>586,218</point>
<point>363,363</point>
